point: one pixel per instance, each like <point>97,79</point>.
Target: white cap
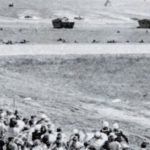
<point>105,124</point>
<point>97,134</point>
<point>38,127</point>
<point>75,131</point>
<point>43,116</point>
<point>115,126</point>
<point>79,145</point>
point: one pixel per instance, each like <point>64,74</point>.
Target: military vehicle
<point>144,23</point>
<point>62,23</point>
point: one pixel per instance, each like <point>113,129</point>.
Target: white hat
<point>43,116</point>
<point>115,126</point>
<point>79,145</point>
<point>105,124</point>
<point>97,134</point>
<point>76,131</point>
<point>38,127</point>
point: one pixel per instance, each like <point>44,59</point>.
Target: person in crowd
<point>32,120</point>
<point>75,134</point>
<point>119,133</point>
<point>144,145</point>
<point>13,129</point>
<point>11,145</point>
<point>105,128</point>
<point>113,144</point>
<point>121,137</point>
<point>98,140</point>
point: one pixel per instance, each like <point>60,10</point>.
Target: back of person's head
<point>36,143</point>
<point>45,139</point>
<point>25,120</point>
<point>12,123</point>
<point>59,136</point>
<point>58,130</point>
<point>18,117</point>
<point>92,148</point>
<point>86,144</point>
<point>75,139</point>
<point>16,112</point>
<point>115,126</point>
<point>43,129</point>
<point>97,135</point>
<point>31,123</point>
<point>144,145</point>
<point>105,124</point>
<point>50,131</point>
<point>10,139</point>
<point>58,144</point>
<point>33,117</point>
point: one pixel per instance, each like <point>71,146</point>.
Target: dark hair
<point>33,116</point>
<point>25,120</point>
<point>59,130</point>
<point>92,148</point>
<point>10,139</point>
<point>13,122</point>
<point>16,112</point>
<point>143,145</point>
<point>45,139</point>
<point>31,123</point>
<point>43,129</point>
<point>58,144</point>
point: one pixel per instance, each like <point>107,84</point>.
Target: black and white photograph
<point>74,74</point>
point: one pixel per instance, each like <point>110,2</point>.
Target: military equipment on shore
<point>27,17</point>
<point>144,23</point>
<point>62,23</point>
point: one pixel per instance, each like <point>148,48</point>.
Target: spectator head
<point>97,135</point>
<point>36,143</point>
<point>45,139</point>
<point>13,123</point>
<point>59,130</point>
<point>16,112</point>
<point>25,120</point>
<point>75,139</point>
<point>115,126</point>
<point>76,131</point>
<point>10,139</point>
<point>59,136</point>
<point>105,124</point>
<point>43,129</point>
<point>144,144</point>
<point>92,148</point>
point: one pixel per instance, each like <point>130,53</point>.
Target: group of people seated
<point>39,133</point>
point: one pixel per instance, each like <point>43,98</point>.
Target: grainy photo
<point>74,74</point>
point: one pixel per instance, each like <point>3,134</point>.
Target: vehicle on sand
<point>62,23</point>
<point>144,23</point>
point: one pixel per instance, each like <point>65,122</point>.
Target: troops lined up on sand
<point>39,133</point>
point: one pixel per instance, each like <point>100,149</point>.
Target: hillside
<point>80,91</point>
